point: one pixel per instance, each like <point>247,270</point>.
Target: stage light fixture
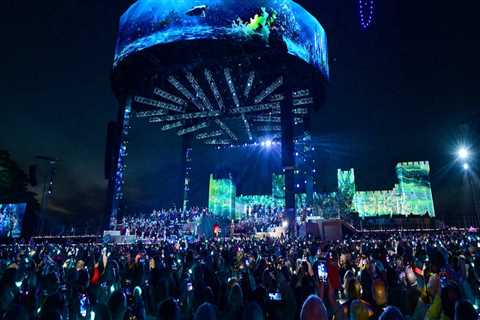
<point>463,153</point>
<point>466,166</point>
<point>285,224</point>
<point>158,104</point>
<point>268,143</point>
<point>269,90</point>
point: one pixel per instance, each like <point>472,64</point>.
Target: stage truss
<point>221,107</point>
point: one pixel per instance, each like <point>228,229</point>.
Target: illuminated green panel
<point>374,203</point>
<point>415,189</point>
<point>346,181</point>
<point>327,204</point>
<point>346,187</point>
<point>278,186</point>
<point>221,197</point>
<point>300,200</point>
<point>411,196</point>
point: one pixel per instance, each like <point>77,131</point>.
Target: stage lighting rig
<point>463,153</point>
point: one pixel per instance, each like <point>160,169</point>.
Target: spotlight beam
<point>192,128</point>
<point>248,87</point>
<point>198,90</point>
<point>146,114</point>
<point>269,90</point>
<point>168,96</point>
<point>214,88</point>
<point>231,86</point>
<point>158,104</point>
<point>180,87</point>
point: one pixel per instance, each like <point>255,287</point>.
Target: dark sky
<point>398,91</point>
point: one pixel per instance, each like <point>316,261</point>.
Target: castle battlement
<point>414,163</point>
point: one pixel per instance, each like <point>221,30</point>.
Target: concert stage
<point>326,229</point>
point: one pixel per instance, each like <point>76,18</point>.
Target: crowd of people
<point>259,218</point>
<point>159,224</point>
<point>162,224</point>
<point>396,276</point>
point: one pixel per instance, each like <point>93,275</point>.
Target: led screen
<point>414,187</point>
<point>376,203</point>
<point>11,218</point>
<point>278,186</point>
<point>411,196</point>
<point>346,187</point>
<point>221,197</point>
<point>346,182</point>
<point>152,22</point>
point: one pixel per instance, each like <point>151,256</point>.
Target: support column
<point>187,168</point>
<point>118,174</point>
<point>288,158</point>
<point>309,164</point>
<point>308,174</point>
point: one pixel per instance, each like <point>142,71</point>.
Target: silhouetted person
<point>313,309</point>
<point>464,310</point>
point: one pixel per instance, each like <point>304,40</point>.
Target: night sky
<point>404,90</point>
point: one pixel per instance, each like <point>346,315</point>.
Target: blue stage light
<point>463,153</point>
